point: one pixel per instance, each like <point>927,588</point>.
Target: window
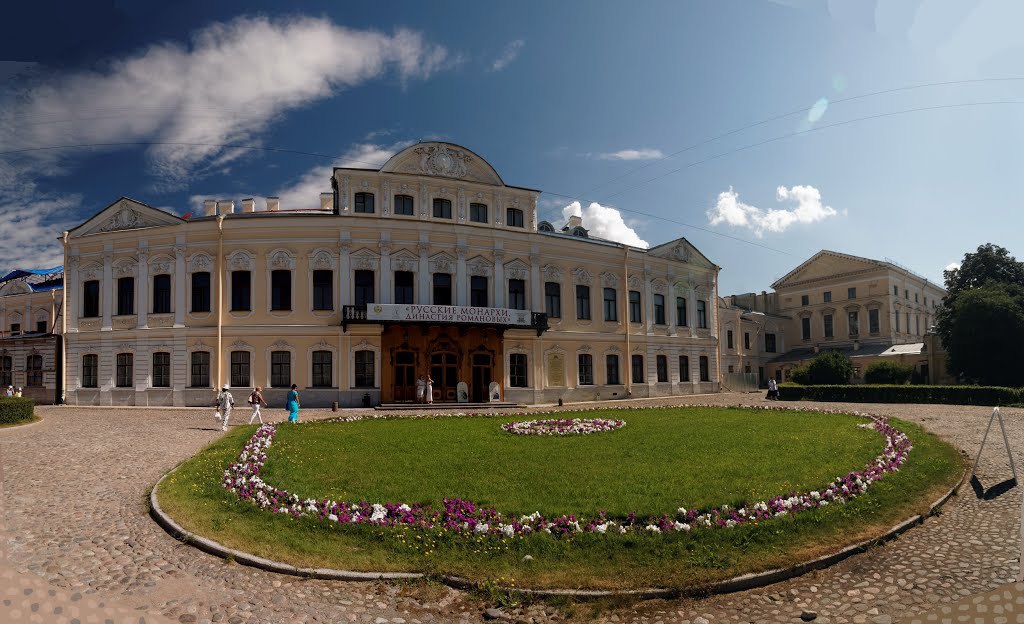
<point>41,327</point>
<point>705,373</point>
<point>659,309</point>
<point>702,314</point>
<point>915,297</point>
<point>281,290</point>
<point>586,369</point>
<point>403,287</point>
<point>908,322</point>
<point>443,289</point>
<point>851,293</point>
<point>897,315</point>
<point>161,294</point>
<point>322,364</point>
<point>364,287</point>
<point>90,299</point>
<point>728,339</point>
<point>241,291</point>
<point>805,328</point>
<point>873,325</point>
<point>731,368</point>
<point>906,294</point>
<point>611,312</point>
<point>611,370</point>
<point>827,297</point>
<point>90,372</point>
<point>684,368</point>
<point>517,294</point>
<point>805,299</point>
<point>746,340</point>
<point>637,362</point>
<point>125,296</point>
<point>854,323</point>
<point>478,291</point>
<point>829,330</point>
<point>125,370</point>
<point>769,343</point>
<point>240,369</point>
<point>917,324</point>
<point>635,315</point>
<point>280,369</point>
<point>517,370</point>
<point>161,370</point>
<point>895,291</point>
<point>661,364</point>
<point>15,329</point>
<point>403,205</point>
<point>323,289</point>
<point>514,217</point>
<point>582,302</point>
<point>553,299</point>
<point>364,203</point>
<point>681,311</point>
<point>201,292</point>
<point>200,369</point>
<point>34,370</point>
<point>442,209</point>
<point>478,213</point>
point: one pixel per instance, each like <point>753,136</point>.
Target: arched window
<point>545,226</point>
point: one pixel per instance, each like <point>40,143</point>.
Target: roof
<point>33,280</point>
<point>807,353</point>
<point>18,273</point>
<point>910,348</point>
<point>870,261</point>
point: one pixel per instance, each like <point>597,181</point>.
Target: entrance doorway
<point>482,377</point>
<point>404,386</point>
<point>444,370</point>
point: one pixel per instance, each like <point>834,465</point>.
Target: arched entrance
<point>444,370</point>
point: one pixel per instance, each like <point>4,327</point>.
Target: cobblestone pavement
<point>74,507</point>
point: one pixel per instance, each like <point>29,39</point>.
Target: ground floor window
<point>364,369</point>
<point>6,364</point>
<point>322,365</point>
<point>611,369</point>
<point>586,369</point>
<point>125,370</point>
<point>34,370</point>
<point>684,368</point>
<point>638,368</point>
<point>705,373</point>
<point>240,369</point>
<point>90,371</point>
<point>661,362</point>
<point>200,369</point>
<point>517,370</point>
<point>280,369</point>
<point>161,370</point>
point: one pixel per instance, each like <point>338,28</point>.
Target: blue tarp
<point>19,273</point>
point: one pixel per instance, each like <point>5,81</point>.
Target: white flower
<point>652,528</point>
<point>681,511</point>
<point>332,518</point>
<point>681,526</point>
<point>481,528</point>
<point>405,507</point>
<point>507,529</point>
<point>601,528</point>
<point>730,523</point>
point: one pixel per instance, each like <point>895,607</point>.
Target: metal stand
<point>1006,441</point>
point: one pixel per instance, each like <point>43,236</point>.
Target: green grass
<point>26,421</point>
<point>694,456</point>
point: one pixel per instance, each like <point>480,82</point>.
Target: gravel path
<point>105,546</point>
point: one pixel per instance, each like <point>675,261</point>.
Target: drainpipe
<point>627,365</point>
<point>64,325</point>
<point>220,298</point>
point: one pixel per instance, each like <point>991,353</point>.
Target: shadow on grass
<point>995,491</point>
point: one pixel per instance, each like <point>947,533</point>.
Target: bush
<point>949,395</point>
<point>892,373</point>
<point>801,375</point>
<point>831,367</point>
<point>16,410</point>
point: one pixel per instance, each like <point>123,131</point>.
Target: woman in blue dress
<point>293,404</point>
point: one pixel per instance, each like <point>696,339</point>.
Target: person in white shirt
<point>224,404</point>
<point>255,399</point>
<point>773,390</point>
<point>10,391</point>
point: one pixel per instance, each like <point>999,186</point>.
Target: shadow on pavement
<point>995,491</point>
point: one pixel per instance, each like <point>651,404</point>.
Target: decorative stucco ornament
<point>439,160</point>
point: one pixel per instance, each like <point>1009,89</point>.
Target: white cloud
<point>225,87</point>
<point>809,209</point>
<point>509,54</point>
<point>632,154</point>
<point>30,229</point>
<point>604,222</point>
<point>952,266</point>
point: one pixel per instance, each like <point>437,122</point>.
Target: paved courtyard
<point>73,505</point>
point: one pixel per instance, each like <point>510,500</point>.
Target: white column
<point>499,280</point>
<point>179,284</point>
<point>108,289</point>
<point>142,289</point>
<point>386,276</point>
<point>536,302</point>
<point>648,302</point>
<point>461,278</point>
<point>424,274</point>
<point>344,274</point>
<point>71,290</point>
<point>670,309</point>
<point>691,311</point>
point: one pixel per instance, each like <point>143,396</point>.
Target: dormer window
<point>514,217</point>
<point>544,226</point>
<point>364,203</point>
<point>580,232</point>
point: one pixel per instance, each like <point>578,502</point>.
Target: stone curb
<point>735,584</point>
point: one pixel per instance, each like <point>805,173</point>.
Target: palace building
<point>31,301</point>
<point>429,265</point>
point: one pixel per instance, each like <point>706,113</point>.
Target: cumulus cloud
<point>632,154</point>
<point>952,266</point>
<point>604,222</point>
<point>509,54</point>
<point>808,209</point>
<point>30,229</point>
<point>225,86</point>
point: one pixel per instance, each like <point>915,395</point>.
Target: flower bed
<point>562,426</point>
<point>464,517</point>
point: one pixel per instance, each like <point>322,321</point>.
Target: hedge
<point>16,409</point>
<point>877,393</point>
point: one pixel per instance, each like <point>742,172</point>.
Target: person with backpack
<point>224,404</point>
<point>255,400</point>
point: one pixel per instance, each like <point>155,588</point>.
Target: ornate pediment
<point>681,250</point>
<point>826,265</point>
<point>443,160</point>
<point>125,214</point>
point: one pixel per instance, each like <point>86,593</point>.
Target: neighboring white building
<point>30,314</point>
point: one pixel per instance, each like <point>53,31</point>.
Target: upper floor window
<point>827,296</point>
<point>322,365</point>
<point>583,302</point>
<point>90,371</point>
<point>478,213</point>
<point>634,306</point>
<point>829,332</point>
<point>323,289</point>
<point>915,297</point>
<point>241,291</point>
<point>281,289</point>
<point>906,294</point>
<point>873,325</point>
<point>15,329</point>
<point>404,287</point>
<point>611,312</point>
<point>805,328</point>
<point>728,339</point>
<point>746,340</point>
<point>126,295</point>
<point>553,299</point>
<point>544,226</point>
<point>517,294</point>
<point>364,287</point>
<point>702,314</point>
<point>443,289</point>
<point>41,327</point>
<point>162,370</point>
<point>805,299</point>
<point>681,311</point>
<point>91,299</point>
<point>478,291</point>
<point>586,369</point>
<point>364,203</point>
<point>514,217</point>
<point>769,343</point>
<point>659,309</point>
<point>442,208</point>
<point>161,294</point>
<point>895,291</point>
<point>125,370</point>
<point>201,292</point>
<point>404,205</point>
<point>851,293</point>
<point>200,369</point>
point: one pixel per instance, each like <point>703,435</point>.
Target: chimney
<point>574,221</point>
<point>226,207</point>
<point>209,207</point>
<point>273,204</point>
<point>326,201</point>
<point>248,205</point>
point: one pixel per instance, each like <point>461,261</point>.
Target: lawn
<point>661,459</point>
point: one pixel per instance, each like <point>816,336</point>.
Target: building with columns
<point>30,315</point>
<point>429,265</point>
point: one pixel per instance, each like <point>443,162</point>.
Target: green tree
<point>981,321</point>
<point>888,373</point>
<point>830,367</point>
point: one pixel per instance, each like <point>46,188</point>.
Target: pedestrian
<point>773,390</point>
<point>421,389</point>
<point>255,400</point>
<point>293,404</point>
<point>10,391</point>
<point>17,392</point>
<point>429,390</point>
<point>224,404</point>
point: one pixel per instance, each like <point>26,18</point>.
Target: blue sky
<point>585,100</point>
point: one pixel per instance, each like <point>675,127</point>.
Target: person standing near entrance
<point>421,389</point>
<point>293,404</point>
<point>773,390</point>
<point>224,404</point>
<point>255,399</point>
<point>430,390</point>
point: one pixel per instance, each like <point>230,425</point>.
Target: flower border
<point>461,516</point>
<point>562,426</point>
